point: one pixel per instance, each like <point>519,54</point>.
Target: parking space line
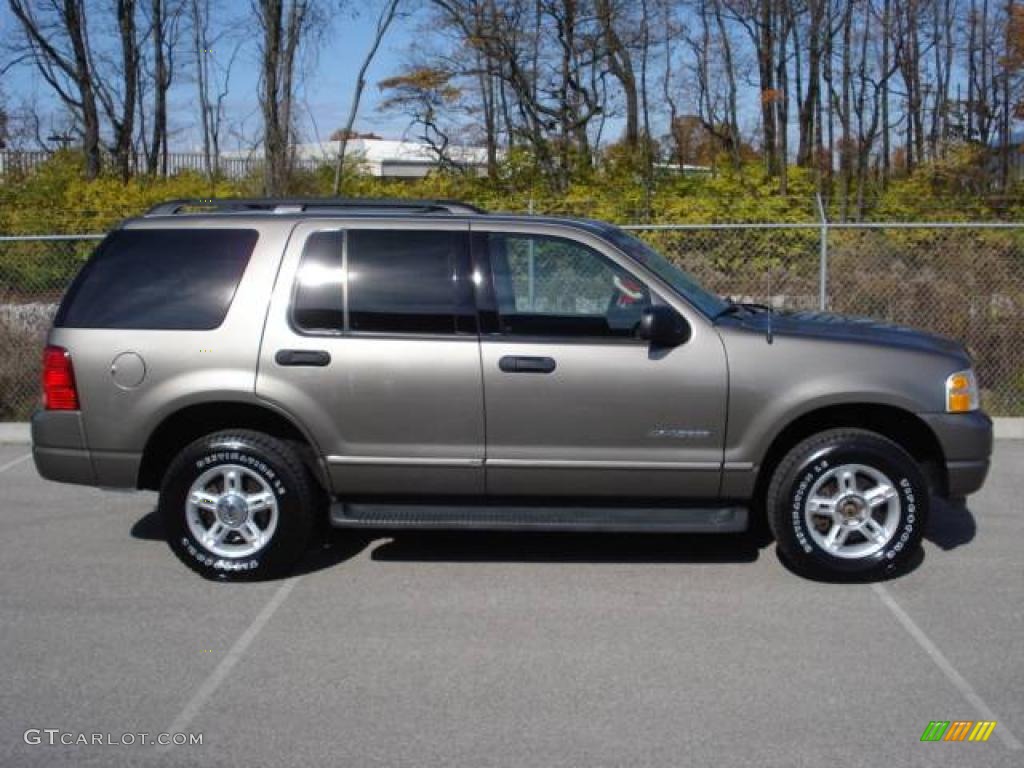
<point>947,668</point>
<point>15,462</point>
<point>220,673</point>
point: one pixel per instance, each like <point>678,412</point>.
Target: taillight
<point>59,392</point>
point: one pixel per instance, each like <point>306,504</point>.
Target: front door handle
<point>513,364</point>
<point>315,357</point>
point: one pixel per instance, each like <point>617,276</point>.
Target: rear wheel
<point>847,503</point>
<point>238,504</point>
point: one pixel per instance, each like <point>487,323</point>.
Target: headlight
<point>962,392</point>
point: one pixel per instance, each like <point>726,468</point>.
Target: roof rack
<point>301,204</point>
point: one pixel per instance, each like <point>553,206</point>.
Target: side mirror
<point>663,326</point>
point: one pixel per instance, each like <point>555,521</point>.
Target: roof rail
<point>300,204</point>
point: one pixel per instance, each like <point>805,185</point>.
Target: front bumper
<point>966,440</point>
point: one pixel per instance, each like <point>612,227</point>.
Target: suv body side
<point>425,414</point>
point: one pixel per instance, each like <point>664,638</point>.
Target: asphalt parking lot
<point>502,650</point>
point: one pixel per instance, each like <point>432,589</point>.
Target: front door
<point>371,343</point>
<point>576,404</point>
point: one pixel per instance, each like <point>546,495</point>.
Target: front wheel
<point>238,504</point>
<point>847,503</point>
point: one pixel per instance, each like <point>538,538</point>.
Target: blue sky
<point>327,88</point>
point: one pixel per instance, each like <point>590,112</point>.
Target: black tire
<point>810,461</point>
<point>273,461</point>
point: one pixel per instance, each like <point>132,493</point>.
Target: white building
<point>393,159</point>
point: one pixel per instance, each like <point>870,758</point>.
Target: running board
<point>513,518</point>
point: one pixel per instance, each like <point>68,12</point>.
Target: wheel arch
<point>183,425</point>
<point>897,424</point>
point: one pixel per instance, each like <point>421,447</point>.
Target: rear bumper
<point>966,440</point>
<point>61,453</point>
<point>59,447</point>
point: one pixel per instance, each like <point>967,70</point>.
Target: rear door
<point>577,405</point>
<point>371,343</point>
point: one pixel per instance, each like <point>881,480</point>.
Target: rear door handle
<point>316,357</point>
<point>514,364</point>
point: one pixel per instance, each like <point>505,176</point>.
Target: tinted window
<point>174,279</point>
<point>401,281</point>
<point>550,286</point>
<point>319,288</point>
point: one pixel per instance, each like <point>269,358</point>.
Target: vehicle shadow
<point>564,547</point>
<point>336,545</point>
<point>950,524</point>
<point>331,548</point>
<point>148,527</point>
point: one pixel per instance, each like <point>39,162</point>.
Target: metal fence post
<point>823,256</point>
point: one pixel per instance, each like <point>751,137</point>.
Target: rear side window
<point>394,281</point>
<point>159,279</point>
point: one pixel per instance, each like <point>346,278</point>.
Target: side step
<point>514,518</point>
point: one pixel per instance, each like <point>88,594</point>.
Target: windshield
<point>707,302</point>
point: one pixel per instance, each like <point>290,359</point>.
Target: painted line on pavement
<point>984,710</point>
<point>223,669</point>
<point>15,462</point>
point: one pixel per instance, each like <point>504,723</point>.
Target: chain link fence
<point>34,272</point>
<point>960,280</point>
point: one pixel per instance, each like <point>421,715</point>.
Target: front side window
<point>683,283</point>
<point>383,281</point>
<point>551,286</point>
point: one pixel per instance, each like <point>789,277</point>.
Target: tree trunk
<point>161,82</point>
<point>124,124</point>
<point>766,71</point>
<point>383,22</point>
<point>282,36</point>
<point>886,56</point>
<point>620,64</point>
<point>809,106</point>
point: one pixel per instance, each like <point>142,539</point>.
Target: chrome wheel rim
<point>231,511</point>
<point>852,511</point>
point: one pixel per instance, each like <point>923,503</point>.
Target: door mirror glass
<point>663,326</point>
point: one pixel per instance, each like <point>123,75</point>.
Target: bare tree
<point>163,32</point>
<point>611,17</point>
<point>715,77</point>
<point>117,94</point>
<point>476,24</point>
<point>54,39</point>
<point>384,21</point>
<point>214,52</point>
<point>284,26</point>
<point>425,95</point>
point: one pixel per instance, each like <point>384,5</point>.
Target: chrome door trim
<point>597,464</point>
<point>413,461</point>
<point>403,461</point>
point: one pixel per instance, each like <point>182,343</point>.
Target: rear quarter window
<point>159,279</point>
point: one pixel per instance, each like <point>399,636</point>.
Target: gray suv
<point>271,364</point>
